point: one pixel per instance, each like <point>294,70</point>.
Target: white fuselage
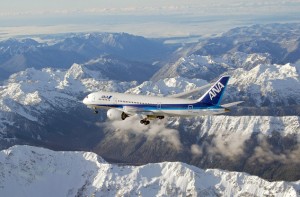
<point>150,105</point>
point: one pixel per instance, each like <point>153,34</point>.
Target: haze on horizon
<point>152,19</point>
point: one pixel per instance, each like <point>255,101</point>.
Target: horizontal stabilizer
<point>231,104</point>
<point>191,92</point>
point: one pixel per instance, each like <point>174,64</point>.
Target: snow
<point>33,93</point>
<point>230,133</point>
<point>41,172</point>
<point>42,89</point>
<point>33,90</point>
<point>246,125</point>
<point>209,67</point>
<point>167,86</point>
<point>277,84</point>
<point>253,77</point>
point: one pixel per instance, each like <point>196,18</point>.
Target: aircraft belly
<point>180,112</point>
<point>194,112</point>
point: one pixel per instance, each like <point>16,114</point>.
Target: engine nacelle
<point>114,114</point>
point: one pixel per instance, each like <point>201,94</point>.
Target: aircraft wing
<point>135,110</point>
<point>189,93</point>
<point>231,104</point>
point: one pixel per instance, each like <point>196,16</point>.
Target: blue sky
<point>149,18</point>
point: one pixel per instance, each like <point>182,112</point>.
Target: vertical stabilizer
<point>214,95</point>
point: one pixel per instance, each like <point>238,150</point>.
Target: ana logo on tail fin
<point>214,95</point>
<point>215,90</point>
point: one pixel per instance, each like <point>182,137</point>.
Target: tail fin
<point>214,95</point>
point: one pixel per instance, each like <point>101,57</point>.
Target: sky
<point>155,18</point>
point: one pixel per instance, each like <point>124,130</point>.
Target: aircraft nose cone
<point>84,101</point>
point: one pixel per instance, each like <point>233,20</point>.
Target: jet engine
<point>114,114</point>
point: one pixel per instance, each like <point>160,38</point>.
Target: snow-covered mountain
<point>41,172</point>
<point>281,41</point>
<point>167,86</point>
<point>254,78</point>
<point>60,51</point>
<point>210,67</point>
<point>31,92</point>
<point>41,106</point>
<point>267,85</point>
<point>32,100</point>
<point>260,83</point>
<point>254,144</point>
<point>193,66</point>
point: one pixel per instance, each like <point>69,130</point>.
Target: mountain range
<point>45,79</point>
<point>87,174</point>
<point>61,51</point>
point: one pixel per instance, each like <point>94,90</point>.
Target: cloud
<point>264,153</point>
<point>145,8</point>
<point>156,129</point>
<point>147,19</point>
<point>231,146</point>
<point>196,150</point>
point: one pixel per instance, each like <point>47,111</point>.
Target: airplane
<point>122,105</point>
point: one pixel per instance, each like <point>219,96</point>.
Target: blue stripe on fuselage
<point>165,106</point>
